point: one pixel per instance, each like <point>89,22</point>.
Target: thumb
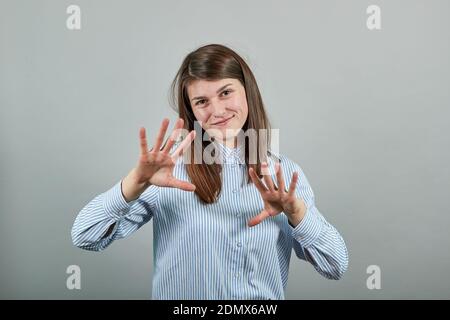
<point>183,185</point>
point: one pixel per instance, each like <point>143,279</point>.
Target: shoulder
<point>287,164</point>
<point>288,167</point>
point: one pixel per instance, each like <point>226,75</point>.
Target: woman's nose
<point>218,108</point>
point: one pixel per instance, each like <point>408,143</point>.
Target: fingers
<point>173,137</point>
<point>258,219</point>
<point>184,145</point>
<point>183,185</point>
<point>293,184</point>
<point>269,186</point>
<point>280,178</point>
<point>266,176</point>
<point>143,141</point>
<point>161,134</point>
<point>258,183</point>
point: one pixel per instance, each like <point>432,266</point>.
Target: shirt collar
<point>230,155</point>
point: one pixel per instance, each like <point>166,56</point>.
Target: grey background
<point>365,114</point>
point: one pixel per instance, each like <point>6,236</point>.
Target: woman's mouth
<point>223,122</point>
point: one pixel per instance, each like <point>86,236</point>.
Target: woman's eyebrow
<point>220,89</point>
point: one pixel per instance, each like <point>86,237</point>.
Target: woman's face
<point>220,106</point>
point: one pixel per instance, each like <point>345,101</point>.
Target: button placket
<point>233,159</point>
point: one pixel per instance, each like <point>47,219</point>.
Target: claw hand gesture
<point>277,199</point>
<point>155,166</point>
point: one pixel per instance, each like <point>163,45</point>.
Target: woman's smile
<point>224,122</point>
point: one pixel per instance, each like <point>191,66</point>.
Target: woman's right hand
<point>155,166</point>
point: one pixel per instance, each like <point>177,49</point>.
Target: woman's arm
<point>131,203</point>
<point>315,239</point>
<point>318,242</point>
<point>109,217</point>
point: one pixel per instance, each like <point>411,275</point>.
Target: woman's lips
<point>223,123</point>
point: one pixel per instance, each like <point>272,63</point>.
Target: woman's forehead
<point>209,87</point>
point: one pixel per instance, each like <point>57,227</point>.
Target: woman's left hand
<point>279,199</point>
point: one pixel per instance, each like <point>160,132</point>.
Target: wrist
<point>132,188</point>
<point>298,214</point>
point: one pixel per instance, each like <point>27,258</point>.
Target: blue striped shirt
<point>207,251</point>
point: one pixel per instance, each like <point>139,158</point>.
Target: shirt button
<point>235,190</point>
<point>237,275</point>
<point>239,244</point>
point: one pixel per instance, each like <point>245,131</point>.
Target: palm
<point>272,203</point>
<point>156,169</point>
<point>163,177</point>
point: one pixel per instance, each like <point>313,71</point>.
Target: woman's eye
<point>227,92</point>
<point>199,102</point>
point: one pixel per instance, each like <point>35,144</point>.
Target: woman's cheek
<point>237,104</point>
<point>203,116</point>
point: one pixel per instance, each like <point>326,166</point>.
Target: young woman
<point>222,229</point>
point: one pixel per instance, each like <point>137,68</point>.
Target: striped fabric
<point>208,251</point>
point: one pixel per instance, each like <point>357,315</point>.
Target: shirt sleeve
<point>110,210</point>
<point>314,238</point>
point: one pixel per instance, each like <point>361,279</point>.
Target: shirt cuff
<point>309,229</point>
<point>114,203</point>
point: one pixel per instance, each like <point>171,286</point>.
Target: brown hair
<point>215,62</point>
